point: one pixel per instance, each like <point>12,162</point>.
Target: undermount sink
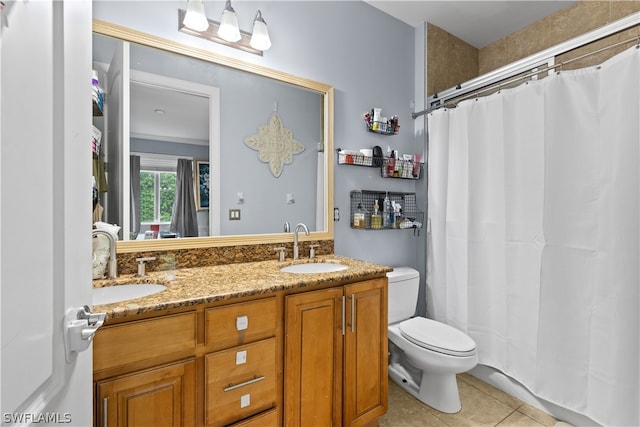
<point>118,293</point>
<point>314,268</point>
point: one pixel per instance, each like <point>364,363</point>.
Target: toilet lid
<point>437,336</point>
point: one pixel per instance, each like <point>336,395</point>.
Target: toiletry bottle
<point>391,165</point>
<point>359,217</point>
<point>397,215</point>
<point>392,216</point>
<point>396,162</point>
<point>376,218</point>
<point>386,212</point>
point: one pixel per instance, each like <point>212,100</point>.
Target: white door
<point>45,209</point>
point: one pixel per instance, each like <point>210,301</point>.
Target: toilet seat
<point>437,336</point>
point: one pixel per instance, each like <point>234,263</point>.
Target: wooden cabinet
<point>314,324</point>
<point>148,374</point>
<point>241,377</point>
<point>314,358</point>
<point>210,366</point>
<point>159,397</point>
<point>336,355</point>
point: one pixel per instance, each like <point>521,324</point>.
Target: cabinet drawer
<point>266,419</point>
<point>241,323</point>
<point>144,339</point>
<point>240,382</point>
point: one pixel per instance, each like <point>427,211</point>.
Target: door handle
<point>80,325</point>
<point>343,315</point>
<point>353,310</point>
<point>105,414</point>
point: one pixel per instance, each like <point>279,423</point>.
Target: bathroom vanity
<point>246,344</point>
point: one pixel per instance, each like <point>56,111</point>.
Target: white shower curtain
<point>534,205</point>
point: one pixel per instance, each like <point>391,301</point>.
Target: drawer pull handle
<point>235,386</point>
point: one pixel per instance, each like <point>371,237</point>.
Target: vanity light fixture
<point>195,18</point>
<point>260,38</point>
<point>226,31</point>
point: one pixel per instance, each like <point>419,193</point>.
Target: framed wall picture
<point>201,181</point>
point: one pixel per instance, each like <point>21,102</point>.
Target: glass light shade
<point>229,29</point>
<point>260,38</point>
<point>195,17</point>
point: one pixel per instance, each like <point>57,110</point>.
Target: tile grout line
<point>511,413</point>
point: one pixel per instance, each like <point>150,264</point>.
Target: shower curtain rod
<point>544,58</point>
<point>452,102</point>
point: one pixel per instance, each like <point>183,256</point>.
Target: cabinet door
<point>163,396</point>
<point>313,358</point>
<point>365,352</point>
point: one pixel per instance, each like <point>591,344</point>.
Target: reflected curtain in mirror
<point>134,166</point>
<point>183,220</point>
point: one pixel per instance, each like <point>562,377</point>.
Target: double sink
<point>119,293</point>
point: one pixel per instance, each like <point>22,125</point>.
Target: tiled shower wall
<point>451,61</point>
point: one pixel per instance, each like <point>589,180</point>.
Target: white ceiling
<point>479,23</point>
<point>169,115</point>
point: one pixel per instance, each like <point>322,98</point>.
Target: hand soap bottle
<point>376,218</point>
<point>359,217</point>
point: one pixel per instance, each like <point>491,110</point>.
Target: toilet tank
<point>404,283</point>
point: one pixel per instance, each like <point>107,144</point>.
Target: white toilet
<point>425,355</point>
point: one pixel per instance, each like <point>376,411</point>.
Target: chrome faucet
<point>113,262</point>
<point>295,238</point>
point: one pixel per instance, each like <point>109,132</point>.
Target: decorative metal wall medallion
<point>275,144</point>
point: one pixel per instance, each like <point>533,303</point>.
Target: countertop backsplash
<point>203,257</point>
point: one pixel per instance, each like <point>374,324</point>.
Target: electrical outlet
<point>234,214</point>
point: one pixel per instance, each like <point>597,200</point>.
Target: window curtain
<point>183,219</point>
<point>134,173</point>
<point>533,250</point>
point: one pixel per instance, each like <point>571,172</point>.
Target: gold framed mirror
<point>323,199</point>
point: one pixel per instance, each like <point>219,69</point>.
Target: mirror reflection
<point>174,134</point>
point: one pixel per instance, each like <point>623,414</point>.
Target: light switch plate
<point>234,214</point>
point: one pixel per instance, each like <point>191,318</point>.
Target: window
<point>157,193</point>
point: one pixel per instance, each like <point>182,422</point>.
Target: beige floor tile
<point>407,411</point>
<point>518,419</point>
<point>482,405</point>
<point>498,394</point>
<point>478,409</point>
<point>538,415</point>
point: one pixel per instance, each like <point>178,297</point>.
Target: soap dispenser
<point>376,218</point>
<point>359,217</point>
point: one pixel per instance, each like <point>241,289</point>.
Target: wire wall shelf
<point>363,212</point>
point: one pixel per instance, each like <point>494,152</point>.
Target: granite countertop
<point>193,286</point>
